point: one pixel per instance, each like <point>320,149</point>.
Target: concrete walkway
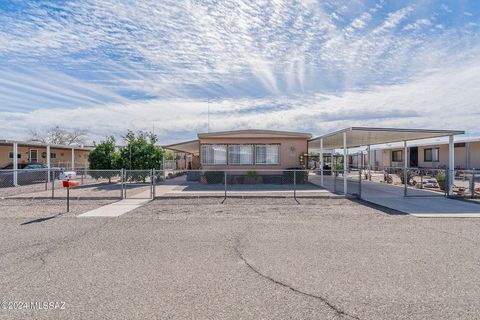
<point>419,203</point>
<point>115,209</point>
<point>121,207</point>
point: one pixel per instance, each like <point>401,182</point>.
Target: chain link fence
<point>124,184</point>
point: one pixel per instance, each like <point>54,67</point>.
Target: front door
<point>413,157</point>
<point>33,155</point>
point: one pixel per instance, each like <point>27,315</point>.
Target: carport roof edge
<point>363,136</point>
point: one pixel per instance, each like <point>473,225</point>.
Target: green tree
<point>140,153</point>
<point>104,157</point>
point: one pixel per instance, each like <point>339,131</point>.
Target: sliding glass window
<point>214,154</point>
<point>267,154</point>
<point>431,155</point>
<point>240,154</point>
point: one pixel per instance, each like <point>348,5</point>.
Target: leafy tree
<point>140,153</point>
<point>104,157</point>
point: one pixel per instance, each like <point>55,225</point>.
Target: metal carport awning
<point>365,136</point>
<point>354,137</point>
<point>192,146</point>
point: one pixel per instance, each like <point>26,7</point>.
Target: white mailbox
<point>68,175</point>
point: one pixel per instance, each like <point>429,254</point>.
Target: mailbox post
<point>67,184</point>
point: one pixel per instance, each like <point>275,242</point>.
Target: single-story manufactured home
<point>63,156</point>
<point>243,150</point>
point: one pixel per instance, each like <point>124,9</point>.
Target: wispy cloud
<point>302,65</point>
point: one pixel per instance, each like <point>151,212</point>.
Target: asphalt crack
<point>324,300</point>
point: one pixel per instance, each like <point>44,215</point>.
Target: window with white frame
<point>267,154</point>
<point>431,155</point>
<point>240,154</point>
<point>214,154</point>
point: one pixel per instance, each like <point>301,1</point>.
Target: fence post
<point>334,172</point>
<point>473,185</point>
<point>360,184</point>
<point>53,183</point>
<point>164,173</point>
<point>151,184</point>
<point>154,182</point>
<point>225,174</point>
<point>295,184</point>
<point>124,183</point>
<point>121,184</point>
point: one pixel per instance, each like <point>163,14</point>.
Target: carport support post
<point>451,164</point>
<point>405,168</point>
<point>15,164</point>
<point>345,163</point>
<point>321,162</point>
<point>73,158</point>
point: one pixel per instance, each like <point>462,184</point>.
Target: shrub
<point>252,174</point>
<point>214,176</point>
<point>402,177</point>
<point>441,179</point>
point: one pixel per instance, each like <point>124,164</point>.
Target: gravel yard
<point>244,259</point>
<point>32,209</point>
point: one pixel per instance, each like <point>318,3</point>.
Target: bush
<point>252,174</point>
<point>214,176</point>
<point>402,177</point>
<point>441,178</point>
<point>301,176</point>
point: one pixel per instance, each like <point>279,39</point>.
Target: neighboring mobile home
<point>433,154</point>
<point>37,153</point>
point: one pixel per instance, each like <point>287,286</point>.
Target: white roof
<point>41,144</point>
<point>430,142</point>
<point>364,136</point>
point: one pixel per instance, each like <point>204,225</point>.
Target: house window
<point>214,154</point>
<point>53,155</point>
<point>19,155</point>
<point>397,156</point>
<point>240,154</point>
<point>431,155</point>
<point>267,154</point>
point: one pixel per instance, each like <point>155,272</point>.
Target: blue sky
<point>311,66</point>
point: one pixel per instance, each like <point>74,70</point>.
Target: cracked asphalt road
<point>245,259</point>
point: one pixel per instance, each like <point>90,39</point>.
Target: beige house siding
<point>381,157</point>
<point>475,155</point>
<point>290,151</point>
